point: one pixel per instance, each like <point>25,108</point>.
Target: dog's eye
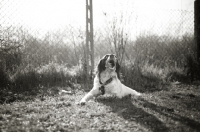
<point>106,56</point>
<point>112,56</point>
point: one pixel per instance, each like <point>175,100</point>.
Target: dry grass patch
<point>175,109</point>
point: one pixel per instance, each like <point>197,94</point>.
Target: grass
<point>174,109</point>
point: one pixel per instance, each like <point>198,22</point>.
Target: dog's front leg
<point>93,93</point>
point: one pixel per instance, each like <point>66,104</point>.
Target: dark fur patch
<point>117,69</point>
<point>101,65</point>
<point>102,90</point>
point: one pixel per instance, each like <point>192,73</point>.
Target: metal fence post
<point>89,38</point>
<point>197,27</point>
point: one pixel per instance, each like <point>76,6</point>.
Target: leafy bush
<point>27,61</point>
<point>154,61</point>
<point>49,75</point>
<point>148,61</point>
<point>163,51</point>
<point>3,78</point>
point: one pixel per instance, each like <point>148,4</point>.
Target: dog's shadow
<point>126,109</point>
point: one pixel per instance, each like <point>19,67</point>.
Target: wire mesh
<point>43,56</point>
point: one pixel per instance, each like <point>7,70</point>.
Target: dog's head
<point>109,61</point>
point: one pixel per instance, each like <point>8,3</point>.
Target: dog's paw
<point>139,94</point>
<point>81,103</point>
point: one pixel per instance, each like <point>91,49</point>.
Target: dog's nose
<point>112,62</point>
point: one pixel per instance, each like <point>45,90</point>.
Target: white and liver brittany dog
<point>107,80</point>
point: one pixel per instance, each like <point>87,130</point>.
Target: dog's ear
<point>101,66</point>
<point>118,69</point>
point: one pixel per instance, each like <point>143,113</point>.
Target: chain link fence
<point>151,45</point>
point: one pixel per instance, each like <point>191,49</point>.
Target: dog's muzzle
<point>112,63</point>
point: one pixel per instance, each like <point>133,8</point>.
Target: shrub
<point>3,78</point>
<point>49,75</point>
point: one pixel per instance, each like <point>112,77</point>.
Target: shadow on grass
<point>9,95</point>
<point>125,108</point>
<point>185,122</point>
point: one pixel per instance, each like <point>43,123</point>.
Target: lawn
<point>176,109</point>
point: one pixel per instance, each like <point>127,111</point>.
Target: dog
<point>107,81</point>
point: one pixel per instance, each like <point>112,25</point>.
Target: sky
<point>48,15</point>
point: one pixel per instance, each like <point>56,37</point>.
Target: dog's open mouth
<point>111,64</point>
